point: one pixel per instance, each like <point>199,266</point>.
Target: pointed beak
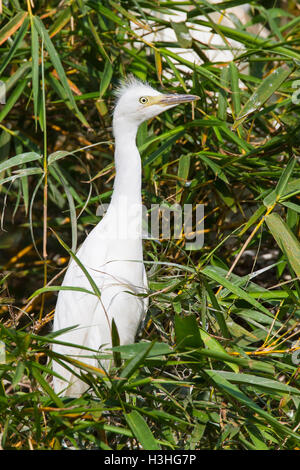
<point>174,99</point>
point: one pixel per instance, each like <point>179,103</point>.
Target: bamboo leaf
<point>183,174</point>
<point>254,217</point>
<point>35,69</point>
<point>60,22</point>
<point>260,382</point>
<point>210,272</point>
<point>134,363</point>
<point>42,290</point>
<point>12,26</point>
<point>13,98</point>
<point>22,173</point>
<point>235,88</point>
<point>266,89</point>
<point>45,386</point>
<point>284,178</point>
<point>16,44</point>
<point>182,34</point>
<point>187,332</point>
<point>82,267</point>
<point>18,373</point>
<point>115,341</point>
<point>19,160</point>
<point>214,345</point>
<point>242,399</point>
<point>215,167</point>
<point>222,95</point>
<point>141,431</point>
<point>55,59</point>
<point>130,16</point>
<point>285,239</point>
<point>106,78</point>
<point>282,184</point>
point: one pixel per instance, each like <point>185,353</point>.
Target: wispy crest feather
<point>126,83</point>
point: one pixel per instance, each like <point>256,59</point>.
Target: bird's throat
<point>128,178</point>
<point>125,209</point>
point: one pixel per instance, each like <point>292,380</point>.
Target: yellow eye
<point>143,100</point>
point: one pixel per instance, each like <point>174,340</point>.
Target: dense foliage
<point>216,363</point>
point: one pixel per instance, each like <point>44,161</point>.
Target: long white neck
<point>128,178</point>
<point>124,215</point>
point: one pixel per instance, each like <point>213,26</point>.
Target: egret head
<point>138,101</point>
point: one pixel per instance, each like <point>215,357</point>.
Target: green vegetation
<point>216,364</point>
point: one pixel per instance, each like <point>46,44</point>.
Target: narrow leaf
<point>12,26</point>
<point>286,240</point>
<point>263,93</point>
<point>141,430</point>
<point>210,272</point>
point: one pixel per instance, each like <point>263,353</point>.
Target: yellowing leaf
<point>12,26</point>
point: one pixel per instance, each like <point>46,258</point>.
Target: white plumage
<point>112,253</point>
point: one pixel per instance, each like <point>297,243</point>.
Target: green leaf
<point>160,149</point>
<point>19,160</point>
<point>42,290</point>
<point>22,71</point>
<point>254,40</point>
<point>187,332</point>
<point>106,78</point>
<point>256,438</point>
<point>21,173</point>
<point>134,363</point>
<point>108,13</point>
<point>68,190</point>
<point>260,382</point>
<point>292,206</point>
<point>211,272</point>
<point>62,19</point>
<point>44,384</point>
<point>35,69</point>
<point>53,157</point>
<point>115,340</point>
<point>217,310</point>
<point>203,71</point>
<point>141,431</point>
<point>18,373</point>
<point>263,93</point>
<point>130,16</point>
<point>215,167</point>
<point>248,363</point>
<point>235,88</point>
<point>292,188</point>
<point>285,239</point>
<point>222,95</point>
<point>55,59</point>
<point>243,399</point>
<point>82,267</point>
<point>282,184</point>
<point>130,350</point>
<point>182,34</point>
<point>257,214</point>
<point>284,178</point>
<point>183,174</point>
<point>13,98</point>
<point>214,345</point>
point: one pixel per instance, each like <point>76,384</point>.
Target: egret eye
<point>143,100</point>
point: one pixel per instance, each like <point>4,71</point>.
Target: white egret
<point>112,253</point>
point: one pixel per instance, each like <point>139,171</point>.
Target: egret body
<point>112,253</point>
